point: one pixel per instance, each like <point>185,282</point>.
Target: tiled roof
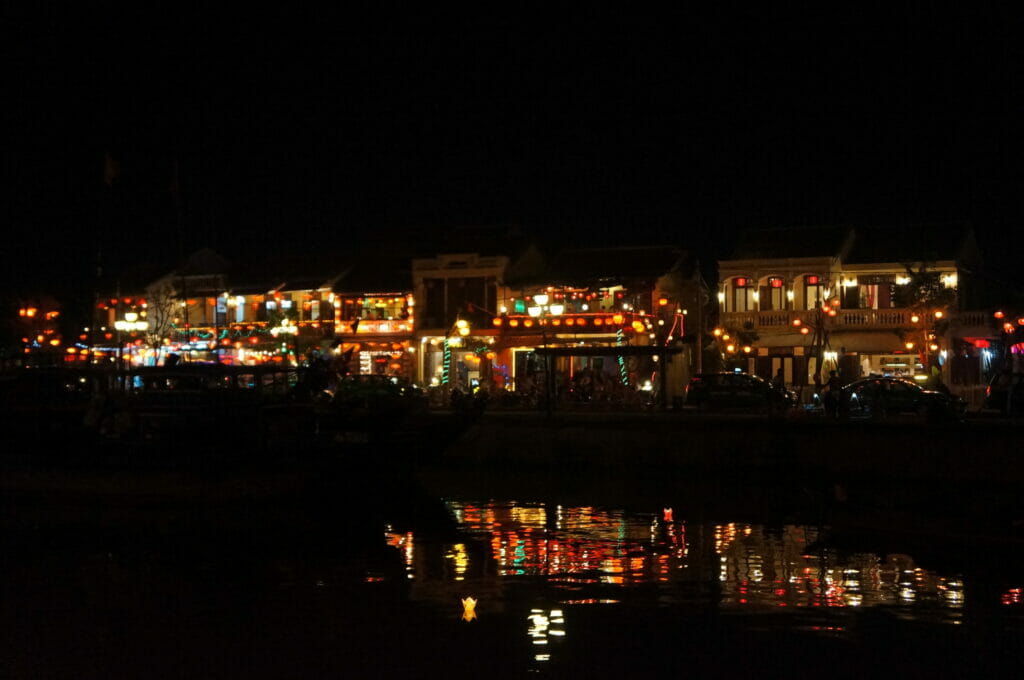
<point>579,266</point>
<point>789,242</point>
<point>915,243</point>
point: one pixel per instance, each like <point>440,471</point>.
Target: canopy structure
<point>549,353</point>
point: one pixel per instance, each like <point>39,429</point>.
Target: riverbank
<point>983,451</point>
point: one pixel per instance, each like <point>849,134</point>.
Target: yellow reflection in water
<point>458,555</point>
<point>543,626</point>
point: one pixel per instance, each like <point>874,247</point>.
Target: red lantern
<point>812,279</point>
<point>741,282</point>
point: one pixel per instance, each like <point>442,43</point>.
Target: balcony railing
<point>373,326</point>
<point>845,319</point>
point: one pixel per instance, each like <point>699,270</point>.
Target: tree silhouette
<point>929,300</point>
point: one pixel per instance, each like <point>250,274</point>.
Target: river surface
<point>484,587</point>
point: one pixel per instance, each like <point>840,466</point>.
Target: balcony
<point>847,319</point>
<point>375,326</point>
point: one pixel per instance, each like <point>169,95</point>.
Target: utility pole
<point>699,359</point>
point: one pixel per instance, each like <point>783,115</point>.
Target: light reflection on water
<point>516,556</point>
<point>755,567</point>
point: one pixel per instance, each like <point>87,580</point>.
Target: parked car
<point>885,397</point>
<point>1005,393</point>
<point>736,390</point>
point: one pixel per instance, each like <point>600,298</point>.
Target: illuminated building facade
<point>840,297</point>
<point>484,313</point>
<point>210,311</point>
<point>598,298</point>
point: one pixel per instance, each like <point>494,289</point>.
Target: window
<point>773,296</point>
<point>742,295</point>
<point>814,295</point>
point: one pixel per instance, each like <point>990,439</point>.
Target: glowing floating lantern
<point>468,608</point>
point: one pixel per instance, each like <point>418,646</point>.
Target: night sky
<point>253,133</point>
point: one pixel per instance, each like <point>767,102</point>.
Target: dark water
<point>378,585</point>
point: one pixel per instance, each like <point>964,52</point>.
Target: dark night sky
<point>289,131</point>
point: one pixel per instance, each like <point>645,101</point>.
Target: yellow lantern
<point>468,608</point>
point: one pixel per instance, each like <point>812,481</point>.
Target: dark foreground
<point>356,570</point>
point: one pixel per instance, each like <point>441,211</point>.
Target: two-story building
<point>819,299</point>
<point>483,314</point>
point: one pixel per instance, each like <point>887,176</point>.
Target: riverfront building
<point>865,301</point>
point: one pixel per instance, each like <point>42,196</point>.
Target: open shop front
<point>610,374</point>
